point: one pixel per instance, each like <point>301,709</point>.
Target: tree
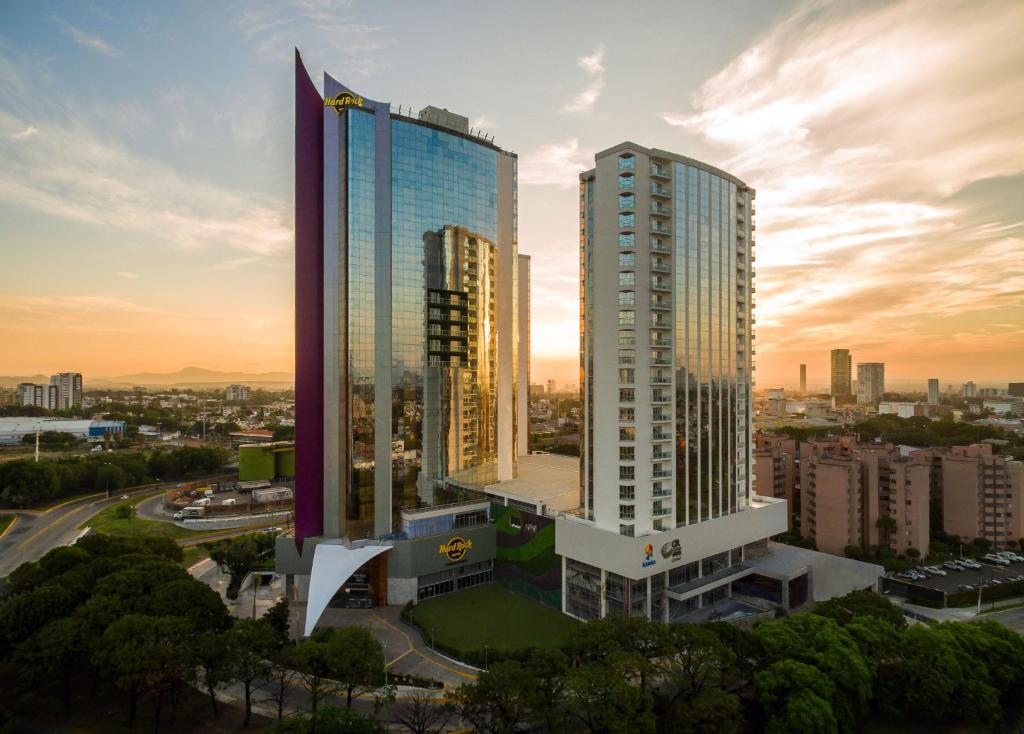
<point>886,526</point>
<point>925,680</point>
<point>821,643</point>
<point>356,661</point>
<point>496,703</point>
<point>314,664</point>
<point>174,652</point>
<point>795,699</point>
<point>545,672</point>
<point>603,702</point>
<point>844,609</point>
<point>281,674</point>
<point>127,652</point>
<point>698,661</point>
<point>279,619</point>
<point>712,712</point>
<point>215,664</point>
<point>252,642</point>
<point>192,599</point>
<point>236,557</point>
<point>55,651</point>
<point>328,720</point>
<point>421,714</point>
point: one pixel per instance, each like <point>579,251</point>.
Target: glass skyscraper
<point>666,352</point>
<point>407,326</point>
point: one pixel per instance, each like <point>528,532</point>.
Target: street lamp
<point>107,473</point>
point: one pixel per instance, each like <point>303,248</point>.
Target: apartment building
<point>982,494</point>
<point>870,382</point>
<point>775,470</point>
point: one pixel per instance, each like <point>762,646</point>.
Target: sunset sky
<point>146,172</point>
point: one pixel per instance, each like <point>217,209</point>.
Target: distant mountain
<point>194,377</point>
<point>13,381</point>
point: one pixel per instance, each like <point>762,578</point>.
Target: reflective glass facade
<point>420,326</point>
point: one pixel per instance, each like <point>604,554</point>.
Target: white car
<point>935,570</point>
<point>996,559</point>
<point>970,563</point>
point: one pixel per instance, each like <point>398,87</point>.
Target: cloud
<point>593,65</point>
<point>126,274</point>
<point>112,187</point>
<point>28,132</point>
<point>858,125</point>
<point>555,164</point>
<point>87,40</point>
<point>317,27</point>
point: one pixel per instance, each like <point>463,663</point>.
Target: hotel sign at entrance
<point>342,100</point>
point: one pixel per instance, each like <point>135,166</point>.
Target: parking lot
<point>951,582</point>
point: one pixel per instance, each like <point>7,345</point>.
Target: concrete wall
<point>626,556</point>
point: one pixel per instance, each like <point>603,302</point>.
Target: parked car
<point>179,515</point>
<point>970,563</point>
<point>951,566</point>
<point>965,587</point>
<point>996,582</point>
<point>996,559</point>
<point>936,570</point>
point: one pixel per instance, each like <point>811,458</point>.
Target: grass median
<point>118,520</point>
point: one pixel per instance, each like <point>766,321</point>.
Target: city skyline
<point>170,244</point>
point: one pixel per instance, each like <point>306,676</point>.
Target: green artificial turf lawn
<point>489,615</point>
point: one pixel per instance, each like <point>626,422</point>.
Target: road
<point>36,532</point>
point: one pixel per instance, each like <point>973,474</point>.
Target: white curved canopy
<point>333,564</point>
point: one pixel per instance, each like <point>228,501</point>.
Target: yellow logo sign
<point>456,548</point>
<point>343,100</point>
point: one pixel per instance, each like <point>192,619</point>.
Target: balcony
<point>661,342</point>
<point>661,304</point>
<point>661,324</point>
<point>661,474</point>
<point>661,361</point>
<point>662,493</point>
<point>661,284</point>
<point>661,436</point>
<point>661,191</point>
<point>660,246</point>
<point>659,266</point>
<point>660,211</point>
<point>660,455</point>
<point>661,417</point>
<point>660,511</point>
<point>658,228</point>
<point>660,172</point>
<point>659,397</point>
<point>661,380</point>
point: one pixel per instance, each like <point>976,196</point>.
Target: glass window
<point>626,492</point>
<point>627,415</point>
<point>627,298</point>
<point>626,530</point>
<point>627,395</point>
<point>627,220</point>
<point>627,259</point>
<point>627,280</point>
<point>627,318</point>
<point>627,453</point>
<point>627,338</point>
<point>627,239</point>
<point>626,375</point>
<point>626,512</point>
<point>627,201</point>
<point>627,356</point>
<point>626,182</point>
<point>627,161</point>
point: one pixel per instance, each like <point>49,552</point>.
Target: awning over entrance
<point>333,565</point>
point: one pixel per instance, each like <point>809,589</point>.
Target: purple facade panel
<point>309,305</point>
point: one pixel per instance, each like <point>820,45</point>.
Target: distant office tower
<point>842,377</point>
<point>39,396</point>
<point>970,390</point>
<point>870,382</point>
<point>803,378</point>
<point>406,319</point>
<point>69,389</point>
<point>989,392</point>
<point>523,368</point>
<point>238,393</point>
<point>933,391</point>
<point>551,387</point>
<point>1016,389</point>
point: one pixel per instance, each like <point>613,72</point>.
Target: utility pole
<point>37,447</point>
